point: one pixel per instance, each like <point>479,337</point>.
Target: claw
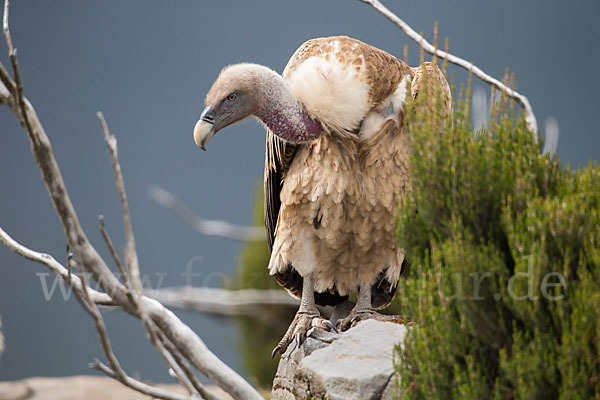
<point>298,339</point>
<point>331,326</point>
<point>303,322</point>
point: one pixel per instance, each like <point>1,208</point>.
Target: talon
<point>331,326</point>
<point>298,340</point>
<point>275,351</point>
<point>296,334</point>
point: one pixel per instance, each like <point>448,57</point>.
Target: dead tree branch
<point>153,306</point>
<point>179,334</point>
<point>111,247</point>
<point>478,72</point>
<point>204,226</point>
<point>88,299</point>
<point>185,372</point>
<point>131,259</point>
<point>229,303</point>
<point>17,85</point>
<point>90,306</point>
<point>174,368</point>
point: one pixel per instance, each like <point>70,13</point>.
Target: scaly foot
<point>302,323</point>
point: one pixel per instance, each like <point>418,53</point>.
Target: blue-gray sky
<point>147,65</point>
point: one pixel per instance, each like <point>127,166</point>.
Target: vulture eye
<point>232,97</point>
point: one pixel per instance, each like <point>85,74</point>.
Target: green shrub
<point>504,245</point>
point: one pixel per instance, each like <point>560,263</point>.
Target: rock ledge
<point>356,364</point>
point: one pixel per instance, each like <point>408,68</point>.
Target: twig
<point>204,226</point>
<point>111,249</point>
<point>131,259</point>
<point>12,53</point>
<point>5,28</point>
<point>137,385</point>
<point>429,48</point>
<point>115,257</point>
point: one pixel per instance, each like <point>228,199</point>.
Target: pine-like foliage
<point>504,245</point>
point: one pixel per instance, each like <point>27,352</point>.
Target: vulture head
<point>231,98</point>
<point>244,90</point>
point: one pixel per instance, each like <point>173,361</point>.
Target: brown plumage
<point>336,167</point>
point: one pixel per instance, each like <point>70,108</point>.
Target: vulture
<point>336,167</point>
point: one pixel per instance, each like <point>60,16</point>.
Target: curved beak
<point>205,128</point>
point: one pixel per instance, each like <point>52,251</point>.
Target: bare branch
<point>12,53</point>
<point>54,266</point>
<point>87,297</point>
<point>131,259</point>
<point>429,48</point>
<point>137,385</point>
<point>179,334</point>
<point>111,249</point>
<point>90,307</point>
<point>182,337</point>
<point>89,257</point>
<point>8,86</point>
<point>159,343</point>
<point>247,302</point>
<point>7,37</point>
<point>185,368</point>
<point>204,226</point>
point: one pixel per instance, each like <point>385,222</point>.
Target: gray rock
<point>391,387</point>
<point>356,364</point>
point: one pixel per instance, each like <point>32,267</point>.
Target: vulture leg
<point>306,318</point>
<point>363,310</point>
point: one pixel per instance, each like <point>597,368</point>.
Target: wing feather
<point>278,158</point>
